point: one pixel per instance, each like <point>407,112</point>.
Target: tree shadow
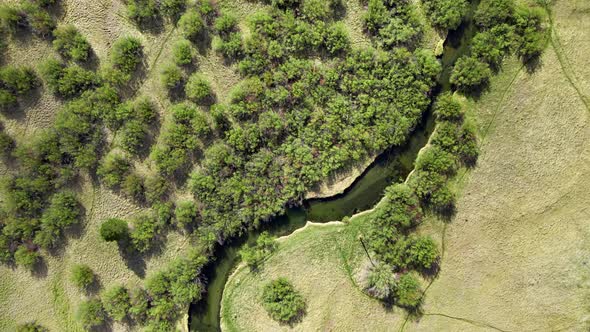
<point>532,64</point>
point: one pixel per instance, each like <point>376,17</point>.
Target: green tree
<point>191,24</point>
<point>113,170</point>
<point>25,257</point>
<point>408,293</point>
<point>114,229</point>
<point>423,252</point>
<point>446,14</point>
<point>183,52</point>
<point>142,11</point>
<point>470,74</point>
<point>381,282</point>
<point>198,89</point>
<point>447,108</point>
<point>126,54</point>
<point>171,76</point>
<point>116,302</point>
<point>70,43</point>
<point>255,255</point>
<point>282,302</point>
<point>172,8</point>
<point>91,313</point>
<point>82,276</point>
<point>18,80</point>
<point>186,213</point>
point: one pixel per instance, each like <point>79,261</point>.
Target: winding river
<point>391,166</point>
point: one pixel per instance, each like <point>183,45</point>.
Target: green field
<point>514,255</point>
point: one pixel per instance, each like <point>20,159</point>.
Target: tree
<point>191,24</point>
<point>225,24</point>
<point>6,144</point>
<point>172,8</point>
<point>126,54</point>
<point>133,187</point>
<point>82,276</point>
<point>70,43</point>
<point>142,11</point>
<point>91,313</point>
<point>408,293</point>
<point>116,302</point>
<point>470,74</point>
<point>447,108</point>
<point>25,257</point>
<point>38,19</point>
<point>282,302</point>
<point>64,211</point>
<point>114,229</point>
<point>113,170</point>
<point>186,213</point>
<point>423,252</point>
<point>183,52</point>
<point>145,230</point>
<point>381,282</point>
<point>198,89</point>
<point>17,80</point>
<point>446,14</point>
<point>156,189</point>
<point>494,12</point>
<point>255,255</point>
<point>11,18</point>
<point>171,76</point>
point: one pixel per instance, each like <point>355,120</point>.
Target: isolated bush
<point>447,108</point>
<point>17,80</point>
<point>255,255</point>
<point>26,257</point>
<point>408,293</point>
<point>171,76</point>
<point>172,8</point>
<point>116,302</point>
<point>183,52</point>
<point>445,14</point>
<point>198,89</point>
<point>114,229</point>
<point>191,24</point>
<point>186,213</point>
<point>70,43</point>
<point>82,276</point>
<point>31,327</point>
<point>381,282</point>
<point>142,11</point>
<point>91,313</point>
<point>423,252</point>
<point>113,170</point>
<point>470,74</point>
<point>282,302</point>
<point>126,54</point>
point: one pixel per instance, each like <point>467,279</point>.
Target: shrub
<point>422,252</point>
<point>70,43</point>
<point>6,144</point>
<point>436,160</point>
<point>31,327</point>
<point>532,36</point>
<point>381,282</point>
<point>64,210</point>
<point>494,12</point>
<point>226,24</point>
<point>470,74</point>
<point>255,255</point>
<point>18,80</point>
<point>116,302</point>
<point>447,108</point>
<point>492,45</point>
<point>408,293</point>
<point>231,46</point>
<point>74,81</point>
<point>156,189</point>
<point>25,257</point>
<point>172,8</point>
<point>171,76</point>
<point>186,213</point>
<point>39,20</point>
<point>282,302</point>
<point>132,136</point>
<point>315,10</point>
<point>139,301</point>
<point>113,170</point>
<point>126,54</point>
<point>183,52</point>
<point>91,313</point>
<point>142,11</point>
<point>144,233</point>
<point>11,18</point>
<point>82,276</point>
<point>198,89</point>
<point>133,187</point>
<point>446,14</point>
<point>337,40</point>
<point>191,24</point>
<point>114,230</point>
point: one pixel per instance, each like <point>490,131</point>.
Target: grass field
<point>515,255</point>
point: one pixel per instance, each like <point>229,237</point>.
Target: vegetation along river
<point>391,166</point>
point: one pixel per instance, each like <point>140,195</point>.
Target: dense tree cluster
<point>282,301</point>
<point>504,27</point>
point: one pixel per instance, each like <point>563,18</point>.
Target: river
<point>391,166</point>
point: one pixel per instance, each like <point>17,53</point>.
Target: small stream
<point>391,166</point>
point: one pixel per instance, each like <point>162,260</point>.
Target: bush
<point>74,81</point>
<point>532,37</point>
<point>183,52</point>
<point>408,293</point>
<point>337,40</point>
<point>156,189</point>
<point>492,45</point>
<point>226,24</point>
<point>116,302</point>
<point>82,276</point>
<point>25,257</point>
<point>144,233</point>
<point>494,12</point>
<point>133,187</point>
<point>186,213</point>
<point>64,211</point>
<point>139,301</point>
<point>436,160</point>
<point>470,74</point>
<point>198,89</point>
<point>113,170</point>
<point>381,282</point>
<point>282,302</point>
<point>7,99</point>
<point>191,24</point>
<point>6,144</point>
<point>11,18</point>
<point>172,8</point>
<point>171,76</point>
<point>423,253</point>
<point>127,54</point>
<point>142,11</point>
<point>70,43</point>
<point>91,313</point>
<point>17,80</point>
<point>447,108</point>
<point>255,255</point>
<point>231,46</point>
<point>38,19</point>
<point>445,14</point>
<point>31,327</point>
<point>132,136</point>
<point>114,230</point>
